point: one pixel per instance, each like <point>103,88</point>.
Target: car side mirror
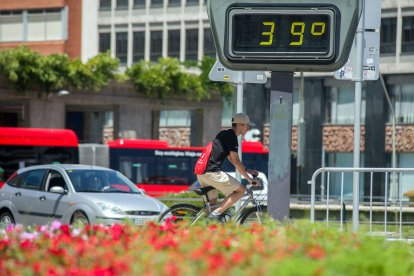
<point>57,190</point>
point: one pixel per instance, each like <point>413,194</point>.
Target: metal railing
<point>391,201</point>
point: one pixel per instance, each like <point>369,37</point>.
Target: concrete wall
<point>45,114</point>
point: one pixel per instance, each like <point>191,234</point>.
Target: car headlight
<point>109,208</point>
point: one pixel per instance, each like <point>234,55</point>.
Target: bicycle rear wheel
<point>180,212</point>
<point>253,215</point>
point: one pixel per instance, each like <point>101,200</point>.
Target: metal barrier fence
<point>390,202</point>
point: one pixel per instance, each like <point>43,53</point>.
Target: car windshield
<point>101,181</point>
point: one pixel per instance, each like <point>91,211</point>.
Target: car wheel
<point>79,219</point>
<point>6,219</point>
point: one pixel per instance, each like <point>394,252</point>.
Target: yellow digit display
<point>272,34</point>
<point>269,33</point>
<point>294,32</point>
<point>320,25</point>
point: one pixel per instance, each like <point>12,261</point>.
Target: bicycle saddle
<point>203,191</point>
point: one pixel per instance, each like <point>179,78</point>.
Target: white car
<point>74,194</point>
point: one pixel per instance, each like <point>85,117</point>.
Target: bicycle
<point>193,213</point>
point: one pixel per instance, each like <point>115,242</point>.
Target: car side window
<point>16,179</point>
<point>55,179</point>
<point>33,179</point>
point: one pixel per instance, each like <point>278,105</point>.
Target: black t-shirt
<point>224,142</point>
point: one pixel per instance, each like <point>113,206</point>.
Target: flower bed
<point>170,249</point>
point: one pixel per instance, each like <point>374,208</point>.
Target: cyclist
<point>225,145</point>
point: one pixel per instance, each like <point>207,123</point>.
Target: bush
<point>204,249</point>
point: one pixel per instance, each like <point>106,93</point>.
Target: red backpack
<point>202,161</point>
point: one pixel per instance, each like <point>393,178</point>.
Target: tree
<point>95,74</point>
<point>28,70</point>
<point>167,77</point>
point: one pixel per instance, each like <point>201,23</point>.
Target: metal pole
<point>357,119</point>
<point>301,124</point>
<point>239,109</point>
<point>278,196</point>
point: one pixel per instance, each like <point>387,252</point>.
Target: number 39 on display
<point>297,30</point>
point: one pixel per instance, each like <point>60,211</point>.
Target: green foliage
<point>93,75</point>
<point>27,70</point>
<point>167,77</point>
<point>53,70</point>
<point>21,67</point>
<point>224,89</point>
<point>159,79</point>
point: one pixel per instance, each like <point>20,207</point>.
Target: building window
<point>157,3</point>
<point>403,101</point>
<point>406,160</point>
<point>174,43</point>
<point>388,35</point>
<point>341,160</point>
<point>176,118</point>
<point>104,42</point>
<point>11,26</point>
<point>121,4</point>
<point>35,25</point>
<point>139,3</point>
<point>156,45</point>
<point>122,47</point>
<point>105,4</point>
<point>44,25</point>
<point>138,46</point>
<point>341,105</point>
<point>209,47</point>
<point>191,44</point>
<point>174,3</point>
<point>407,44</point>
<point>192,2</point>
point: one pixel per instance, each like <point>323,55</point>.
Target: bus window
<point>22,147</point>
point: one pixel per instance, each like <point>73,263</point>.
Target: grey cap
<point>241,118</point>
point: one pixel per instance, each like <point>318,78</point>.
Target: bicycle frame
<point>238,213</point>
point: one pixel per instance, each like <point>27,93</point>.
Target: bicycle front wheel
<point>253,215</point>
<point>180,212</point>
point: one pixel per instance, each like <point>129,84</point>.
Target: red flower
<point>215,261</point>
<point>315,252</point>
<point>226,244</point>
<point>65,229</point>
<point>208,245</point>
<point>237,257</point>
<point>171,269</point>
<point>26,244</point>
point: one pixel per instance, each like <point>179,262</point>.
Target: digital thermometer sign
<point>284,35</point>
<point>263,33</point>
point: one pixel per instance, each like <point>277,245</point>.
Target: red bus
<point>22,147</point>
<point>159,168</point>
<point>153,165</point>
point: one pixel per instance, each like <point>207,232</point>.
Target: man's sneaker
<point>217,218</point>
<point>227,216</point>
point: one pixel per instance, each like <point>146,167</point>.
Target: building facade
<point>48,27</point>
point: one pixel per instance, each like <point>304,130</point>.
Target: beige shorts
<point>219,180</point>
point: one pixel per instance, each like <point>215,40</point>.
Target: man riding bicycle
<point>226,145</point>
